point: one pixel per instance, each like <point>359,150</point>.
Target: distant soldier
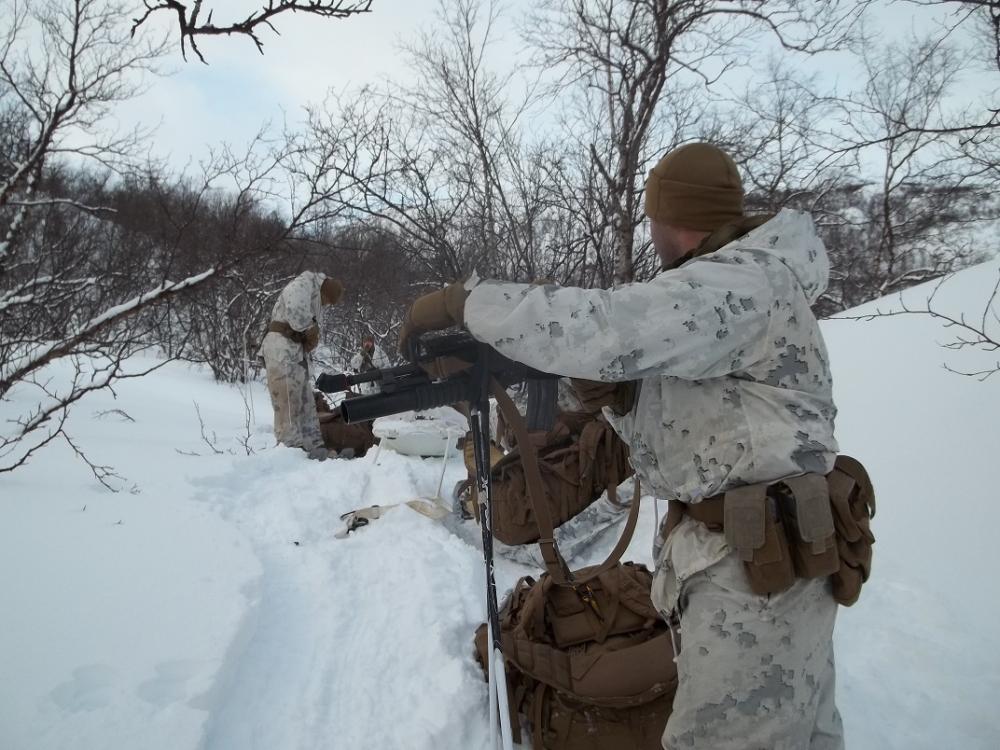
<point>371,357</point>
<point>292,334</point>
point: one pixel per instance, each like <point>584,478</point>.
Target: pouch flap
<point>744,519</point>
<point>812,509</point>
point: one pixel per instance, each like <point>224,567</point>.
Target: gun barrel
<point>429,396</point>
<point>387,378</point>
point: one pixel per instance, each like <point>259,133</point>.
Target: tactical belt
<point>277,326</point>
<point>810,526</point>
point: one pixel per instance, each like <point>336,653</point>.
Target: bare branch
<point>191,26</point>
<point>980,335</point>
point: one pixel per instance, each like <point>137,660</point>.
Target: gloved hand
<point>433,312</point>
<point>330,291</point>
<point>312,337</point>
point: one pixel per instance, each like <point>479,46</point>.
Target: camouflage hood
<point>791,238</point>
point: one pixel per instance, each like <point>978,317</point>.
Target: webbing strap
<point>554,562</point>
<point>278,326</point>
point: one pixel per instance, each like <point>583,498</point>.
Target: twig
<point>190,26</point>
<point>974,335</point>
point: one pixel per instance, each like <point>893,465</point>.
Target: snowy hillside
<point>211,607</point>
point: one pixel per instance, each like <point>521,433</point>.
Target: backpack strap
<point>554,562</point>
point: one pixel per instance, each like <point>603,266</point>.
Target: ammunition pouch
<point>800,527</point>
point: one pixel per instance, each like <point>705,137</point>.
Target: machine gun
<point>415,387</point>
<point>466,370</point>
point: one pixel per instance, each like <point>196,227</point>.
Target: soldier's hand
<point>433,312</point>
<point>312,337</point>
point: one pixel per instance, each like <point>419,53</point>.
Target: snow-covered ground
<point>212,608</point>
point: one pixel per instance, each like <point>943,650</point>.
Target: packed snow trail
<point>354,634</point>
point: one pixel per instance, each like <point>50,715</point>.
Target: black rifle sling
<point>554,562</point>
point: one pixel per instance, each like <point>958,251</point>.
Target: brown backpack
<point>579,458</point>
<point>340,436</point>
<point>589,669</point>
<point>588,659</point>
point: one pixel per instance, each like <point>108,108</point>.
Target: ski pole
<point>480,418</point>
<point>444,464</point>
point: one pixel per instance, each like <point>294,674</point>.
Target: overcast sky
<point>239,89</point>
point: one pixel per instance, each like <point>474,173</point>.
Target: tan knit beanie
<point>695,186</point>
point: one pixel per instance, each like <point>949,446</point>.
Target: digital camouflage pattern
<point>732,329</point>
<point>756,672</point>
<point>299,303</point>
<point>735,390</point>
<point>289,382</point>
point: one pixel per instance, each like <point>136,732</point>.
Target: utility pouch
<point>809,526</point>
<point>852,499</point>
<point>805,508</point>
<point>771,570</point>
<point>754,531</point>
<point>744,520</point>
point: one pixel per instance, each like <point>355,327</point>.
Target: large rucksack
<point>590,669</point>
<point>349,440</point>
<point>579,459</point>
<point>589,662</point>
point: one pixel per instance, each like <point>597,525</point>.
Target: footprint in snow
<point>92,687</point>
<point>170,685</point>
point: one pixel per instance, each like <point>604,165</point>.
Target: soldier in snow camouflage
<point>292,334</point>
<point>370,357</point>
<point>734,389</point>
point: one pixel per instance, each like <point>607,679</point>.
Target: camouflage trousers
<point>755,672</point>
<point>296,422</point>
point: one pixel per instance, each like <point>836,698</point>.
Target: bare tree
<point>192,24</point>
<point>448,164</point>
<point>912,225</point>
<point>56,96</point>
<point>774,132</point>
<point>81,289</point>
<point>626,54</point>
<point>983,15</point>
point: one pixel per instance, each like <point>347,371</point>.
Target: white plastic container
<point>428,433</point>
